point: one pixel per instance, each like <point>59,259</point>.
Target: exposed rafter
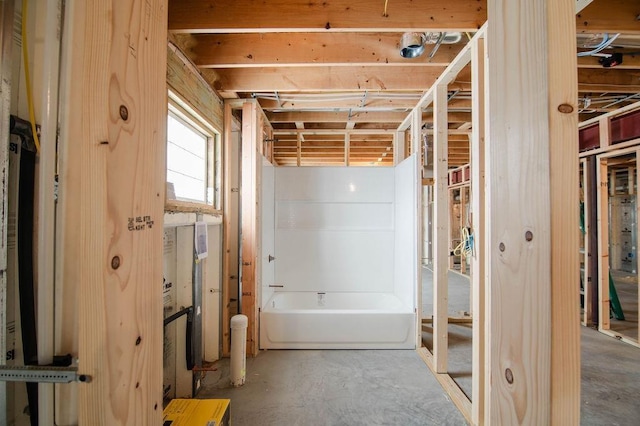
<point>244,16</point>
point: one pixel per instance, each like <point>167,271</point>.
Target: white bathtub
<point>309,320</point>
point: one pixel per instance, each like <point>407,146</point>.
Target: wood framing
<point>326,48</point>
<point>112,185</point>
<point>184,79</point>
<point>323,78</point>
<point>441,231</point>
<point>449,385</point>
<point>342,15</point>
<point>227,266</point>
<point>480,249</point>
<point>564,175</point>
<point>251,140</point>
<point>606,227</point>
<point>603,244</point>
<point>532,222</point>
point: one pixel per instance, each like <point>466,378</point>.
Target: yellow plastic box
<point>197,412</point>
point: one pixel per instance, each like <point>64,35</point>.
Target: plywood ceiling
<point>330,74</point>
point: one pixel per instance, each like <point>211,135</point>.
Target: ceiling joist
<point>246,16</point>
<point>309,49</point>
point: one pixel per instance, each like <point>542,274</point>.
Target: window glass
<point>186,160</point>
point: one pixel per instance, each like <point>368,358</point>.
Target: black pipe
<point>189,333</point>
<point>25,233</point>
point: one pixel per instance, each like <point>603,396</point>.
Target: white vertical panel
<point>211,295</point>
<point>405,255</point>
<point>184,298</point>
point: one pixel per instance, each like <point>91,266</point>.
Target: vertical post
<point>565,200</point>
<point>113,175</point>
<point>463,216</point>
<point>478,259</point>
<point>591,220</point>
<point>299,149</point>
<point>604,127</point>
<point>226,230</point>
<point>347,148</point>
<point>441,230</point>
<point>451,202</point>
<point>398,148</point>
<point>532,172</point>
<point>603,243</point>
<point>416,149</point>
<point>251,139</point>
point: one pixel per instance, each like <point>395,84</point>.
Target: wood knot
<point>115,262</point>
<point>508,374</point>
<point>565,108</point>
<point>124,112</point>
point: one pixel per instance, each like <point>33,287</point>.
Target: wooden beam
<point>112,186</point>
<point>347,150</point>
<point>478,260</point>
<point>321,78</point>
<point>356,117</point>
<point>591,189</point>
<point>524,296</point>
<point>609,80</point>
<point>458,397</point>
<point>305,49</point>
<point>206,16</point>
<point>184,79</point>
<point>613,16</point>
<point>227,265</point>
<point>336,117</point>
<point>603,243</point>
<point>351,100</point>
<point>564,181</point>
<point>441,232</point>
<point>251,140</point>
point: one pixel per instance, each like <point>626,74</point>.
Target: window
<point>191,156</point>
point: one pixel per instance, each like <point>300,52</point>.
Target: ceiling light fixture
<point>412,45</point>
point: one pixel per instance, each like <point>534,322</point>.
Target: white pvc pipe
<point>46,202</point>
<point>239,325</point>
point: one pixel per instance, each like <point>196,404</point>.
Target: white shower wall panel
<point>335,216</point>
<point>318,260</point>
<point>335,184</point>
<point>406,232</point>
<point>335,229</point>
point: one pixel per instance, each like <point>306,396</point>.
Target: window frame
<point>184,113</point>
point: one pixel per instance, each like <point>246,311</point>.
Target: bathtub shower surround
<point>345,243</point>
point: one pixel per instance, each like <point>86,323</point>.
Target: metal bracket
<point>31,373</point>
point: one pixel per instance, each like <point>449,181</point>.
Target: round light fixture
<point>412,45</point>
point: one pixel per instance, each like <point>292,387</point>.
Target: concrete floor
<point>390,387</point>
<point>610,368</point>
<point>334,387</point>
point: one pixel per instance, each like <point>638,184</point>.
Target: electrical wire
<point>386,2</point>
<point>606,42</point>
<point>27,76</point>
<point>465,248</point>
